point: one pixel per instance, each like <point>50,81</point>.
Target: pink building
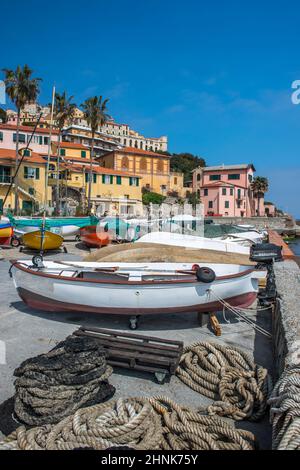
<point>226,190</point>
<point>39,142</point>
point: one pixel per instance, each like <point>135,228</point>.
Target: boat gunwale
<point>27,269</point>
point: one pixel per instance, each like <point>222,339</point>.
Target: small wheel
<point>77,238</point>
<point>37,260</point>
<point>15,242</point>
<point>133,323</point>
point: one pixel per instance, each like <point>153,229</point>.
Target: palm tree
<point>259,186</point>
<point>63,113</point>
<point>95,114</point>
<point>21,88</point>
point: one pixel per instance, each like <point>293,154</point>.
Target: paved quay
<point>28,332</point>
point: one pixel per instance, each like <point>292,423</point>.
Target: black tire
<point>36,260</point>
<point>15,242</point>
<point>206,275</point>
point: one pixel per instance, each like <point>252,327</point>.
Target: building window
<point>198,177</point>
<point>250,178</point>
<point>22,138</point>
<point>239,194</point>
<point>1,136</point>
<point>210,204</point>
<point>26,153</point>
<point>62,152</point>
<point>125,163</point>
<point>163,187</point>
<point>214,177</point>
<point>107,179</point>
<point>31,173</point>
<point>198,193</point>
<point>175,180</point>
<point>223,191</point>
<point>119,180</point>
<point>226,204</point>
<point>205,192</point>
<point>160,166</point>
<point>231,191</point>
<point>83,153</point>
<point>130,143</point>
<point>141,145</point>
<point>46,140</point>
<point>234,176</point>
<point>133,181</point>
<point>94,178</point>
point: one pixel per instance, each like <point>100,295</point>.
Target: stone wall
<point>273,223</point>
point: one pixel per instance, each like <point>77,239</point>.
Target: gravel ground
<point>27,333</point>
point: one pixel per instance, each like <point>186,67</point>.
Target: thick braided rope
<point>227,375</point>
<point>141,423</point>
<point>285,411</point>
<point>187,429</point>
<point>131,422</point>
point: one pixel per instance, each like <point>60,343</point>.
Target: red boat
<point>94,238</point>
<point>6,233</point>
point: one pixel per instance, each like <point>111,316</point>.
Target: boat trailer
<point>132,351</point>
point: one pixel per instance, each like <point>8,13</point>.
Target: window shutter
<point>111,179</point>
<point>119,180</point>
<point>103,179</point>
<point>94,178</point>
<point>130,181</point>
<point>138,181</point>
<point>37,173</point>
<point>25,172</point>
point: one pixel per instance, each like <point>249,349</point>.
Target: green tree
<point>2,115</point>
<point>154,198</point>
<point>95,112</point>
<point>21,88</point>
<point>259,186</point>
<point>64,110</point>
<point>185,163</point>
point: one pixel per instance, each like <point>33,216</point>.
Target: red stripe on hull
<point>40,302</point>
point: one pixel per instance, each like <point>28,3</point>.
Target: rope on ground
<point>285,411</point>
<point>187,429</point>
<point>139,423</point>
<point>54,385</point>
<point>227,375</point>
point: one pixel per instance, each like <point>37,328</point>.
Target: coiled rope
<point>54,385</point>
<point>285,411</point>
<point>227,375</point>
<point>140,423</point>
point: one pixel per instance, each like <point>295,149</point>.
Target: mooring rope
<point>139,423</point>
<point>241,313</point>
<point>227,375</point>
<point>285,411</point>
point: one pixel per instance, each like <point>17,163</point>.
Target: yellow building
<point>31,180</point>
<point>154,168</point>
<point>113,191</point>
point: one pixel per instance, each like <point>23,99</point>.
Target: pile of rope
<point>54,385</point>
<point>227,375</point>
<point>138,423</point>
<point>285,411</point>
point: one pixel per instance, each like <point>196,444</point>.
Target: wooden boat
<point>64,226</point>
<point>6,232</point>
<point>132,288</point>
<point>94,238</point>
<point>37,241</point>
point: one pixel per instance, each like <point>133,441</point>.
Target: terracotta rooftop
<point>72,145</point>
<point>29,129</point>
<point>9,154</point>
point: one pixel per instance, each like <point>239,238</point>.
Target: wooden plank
<point>117,342</point>
<point>215,325</point>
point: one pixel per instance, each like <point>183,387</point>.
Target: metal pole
<point>49,151</point>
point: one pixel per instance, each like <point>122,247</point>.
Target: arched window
<point>198,193</point>
<point>125,163</point>
<point>125,142</point>
<point>198,177</point>
<point>130,143</point>
<point>160,166</point>
<point>136,144</point>
<point>143,164</point>
<point>141,144</point>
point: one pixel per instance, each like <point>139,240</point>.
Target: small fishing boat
<point>133,288</point>
<point>93,237</point>
<point>6,232</point>
<point>64,226</point>
<point>42,241</point>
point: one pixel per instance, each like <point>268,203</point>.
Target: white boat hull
<point>56,288</point>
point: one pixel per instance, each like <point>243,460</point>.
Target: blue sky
<point>214,76</point>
